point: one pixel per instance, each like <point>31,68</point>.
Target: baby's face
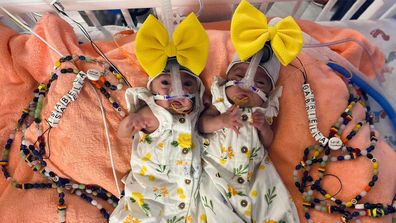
<point>162,85</point>
<point>244,97</point>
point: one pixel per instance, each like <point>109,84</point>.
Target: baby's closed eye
<point>165,82</point>
<point>188,83</point>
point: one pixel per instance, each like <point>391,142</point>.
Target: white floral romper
<point>238,182</point>
<point>165,168</point>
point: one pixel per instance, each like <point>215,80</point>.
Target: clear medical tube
<point>167,17</point>
<point>322,52</point>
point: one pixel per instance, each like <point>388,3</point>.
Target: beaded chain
<point>33,154</point>
<point>97,78</point>
<point>321,154</point>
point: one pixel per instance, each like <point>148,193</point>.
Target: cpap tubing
<point>167,17</point>
<point>318,44</point>
<point>328,54</point>
<point>357,77</point>
<point>248,80</point>
<point>176,87</point>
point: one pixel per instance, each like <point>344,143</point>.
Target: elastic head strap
<point>168,98</point>
<point>254,89</point>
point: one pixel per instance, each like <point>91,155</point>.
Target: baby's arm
<point>211,120</point>
<point>142,120</point>
<point>265,132</point>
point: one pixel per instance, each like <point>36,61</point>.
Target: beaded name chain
<point>321,154</point>
<point>33,154</point>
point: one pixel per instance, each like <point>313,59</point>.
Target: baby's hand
<point>259,120</point>
<point>230,119</point>
<point>265,132</point>
<point>143,120</point>
<point>131,124</point>
<point>135,123</point>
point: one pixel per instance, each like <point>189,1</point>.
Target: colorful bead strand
<point>33,153</point>
<point>320,154</point>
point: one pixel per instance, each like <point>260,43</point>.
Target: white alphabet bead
<point>306,87</point>
<point>56,115</point>
<point>82,75</point>
<point>59,107</point>
<point>72,95</point>
<point>314,130</point>
<point>65,100</point>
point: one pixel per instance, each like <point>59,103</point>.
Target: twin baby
<point>194,165</point>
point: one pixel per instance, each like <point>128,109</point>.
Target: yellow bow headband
<point>250,31</point>
<point>189,44</point>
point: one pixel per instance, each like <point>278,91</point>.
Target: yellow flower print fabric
<point>184,140</point>
<point>238,181</point>
<point>165,169</point>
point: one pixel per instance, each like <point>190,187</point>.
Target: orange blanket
<point>78,145</point>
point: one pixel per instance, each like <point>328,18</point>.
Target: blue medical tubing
<point>362,84</point>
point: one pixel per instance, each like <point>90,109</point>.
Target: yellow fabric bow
<point>250,31</point>
<point>189,44</point>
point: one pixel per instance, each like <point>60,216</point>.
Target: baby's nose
<point>242,89</point>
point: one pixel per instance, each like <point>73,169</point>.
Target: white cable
<point>108,139</point>
<point>30,30</point>
<point>61,10</point>
<point>364,47</point>
<point>96,94</point>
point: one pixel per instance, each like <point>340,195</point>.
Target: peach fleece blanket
<point>78,145</point>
